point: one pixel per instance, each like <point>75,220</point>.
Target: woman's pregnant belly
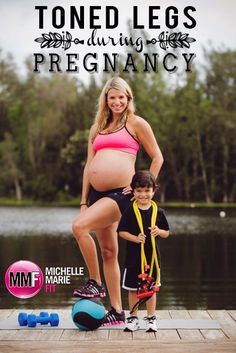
<point>110,169</point>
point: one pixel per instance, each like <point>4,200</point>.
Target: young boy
<point>143,185</point>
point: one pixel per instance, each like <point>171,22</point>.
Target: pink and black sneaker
<point>91,290</point>
<point>113,318</point>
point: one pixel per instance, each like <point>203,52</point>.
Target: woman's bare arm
<point>147,139</point>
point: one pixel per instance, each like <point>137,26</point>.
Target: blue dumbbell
<point>23,318</point>
<point>43,319</point>
<point>44,314</point>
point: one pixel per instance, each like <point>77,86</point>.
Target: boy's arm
<point>155,231</point>
<point>134,238</point>
<point>161,228</point>
<point>163,233</point>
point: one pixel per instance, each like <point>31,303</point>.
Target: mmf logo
<point>24,279</point>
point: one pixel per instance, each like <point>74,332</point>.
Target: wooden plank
<point>14,313</point>
<point>232,313</point>
<point>167,336</point>
<point>213,335</point>
<point>207,334</point>
<point>199,314</point>
<point>72,335</point>
<point>31,335</point>
<point>143,335</point>
<point>98,335</point>
<point>190,335</point>
<point>179,314</point>
<point>120,335</point>
<point>7,335</point>
<point>163,315</point>
<point>5,313</point>
<point>226,322</point>
<point>65,313</point>
<point>21,335</point>
<point>117,347</point>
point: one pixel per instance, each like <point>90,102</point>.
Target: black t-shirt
<point>128,223</point>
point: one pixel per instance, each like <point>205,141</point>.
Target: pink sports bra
<point>120,140</point>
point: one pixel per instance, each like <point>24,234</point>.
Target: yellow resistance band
<point>154,252</point>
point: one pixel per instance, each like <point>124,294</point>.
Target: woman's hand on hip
<point>127,190</point>
<point>83,208</point>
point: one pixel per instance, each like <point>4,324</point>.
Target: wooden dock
<point>220,340</point>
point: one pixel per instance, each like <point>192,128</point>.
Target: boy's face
<point>143,195</point>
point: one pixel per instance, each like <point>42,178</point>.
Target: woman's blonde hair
<point>103,115</point>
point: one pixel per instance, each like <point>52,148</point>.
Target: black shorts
<point>122,200</point>
<point>130,278</point>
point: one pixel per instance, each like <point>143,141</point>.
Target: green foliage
<point>45,120</point>
<point>10,173</point>
<point>75,150</point>
<point>41,189</point>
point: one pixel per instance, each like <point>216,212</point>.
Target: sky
<point>19,25</point>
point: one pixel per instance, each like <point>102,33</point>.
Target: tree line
<point>45,120</point>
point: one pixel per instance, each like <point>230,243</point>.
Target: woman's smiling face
<point>117,101</point>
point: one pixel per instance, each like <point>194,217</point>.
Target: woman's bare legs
<point>108,243</point>
<point>105,212</point>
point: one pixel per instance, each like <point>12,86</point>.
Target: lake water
<point>198,259</point>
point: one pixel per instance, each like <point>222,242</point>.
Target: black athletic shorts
<point>115,194</point>
<point>130,278</point>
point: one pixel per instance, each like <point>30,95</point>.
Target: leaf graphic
<point>174,40</point>
<point>186,44</point>
<point>172,36</point>
<point>55,40</point>
<point>163,45</point>
<point>67,45</point>
<point>162,41</point>
<point>57,36</point>
<point>57,44</point>
<point>46,36</point>
<point>161,36</point>
<point>39,39</point>
<point>190,40</point>
<point>183,36</point>
<point>68,36</point>
<point>179,44</point>
<point>172,44</point>
<point>44,44</point>
<point>51,44</point>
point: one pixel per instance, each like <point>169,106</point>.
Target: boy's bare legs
<point>132,323</point>
<point>132,297</point>
<point>151,305</point>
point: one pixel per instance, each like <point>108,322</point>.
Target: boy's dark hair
<point>143,178</point>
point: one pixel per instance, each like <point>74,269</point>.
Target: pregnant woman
<point>112,148</point>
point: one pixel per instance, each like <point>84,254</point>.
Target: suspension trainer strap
<point>154,259</point>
